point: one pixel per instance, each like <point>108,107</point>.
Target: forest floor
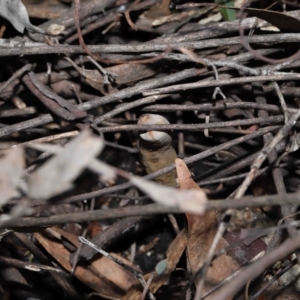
<point>149,150</point>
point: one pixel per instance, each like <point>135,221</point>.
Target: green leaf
<point>227,14</point>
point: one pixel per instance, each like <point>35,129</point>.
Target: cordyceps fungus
<point>156,149</point>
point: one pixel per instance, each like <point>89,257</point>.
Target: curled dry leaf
<point>15,12</point>
<point>57,174</point>
<point>188,201</point>
<point>201,233</point>
<point>11,172</point>
<point>156,149</point>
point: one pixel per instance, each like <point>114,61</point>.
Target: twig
<point>282,102</point>
<point>206,107</point>
<point>34,267</point>
<point>273,279</point>
<point>191,127</point>
<point>127,106</point>
<point>283,132</point>
<point>153,209</point>
<point>14,48</point>
<point>16,75</point>
<point>147,286</point>
<point>50,138</point>
<point>223,82</point>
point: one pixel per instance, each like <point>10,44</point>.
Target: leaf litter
<point>99,169</point>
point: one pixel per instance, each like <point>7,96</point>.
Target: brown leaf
<point>124,74</point>
<point>103,275</point>
<point>11,172</point>
<point>67,235</point>
<point>130,73</point>
<point>114,272</point>
<point>104,266</point>
<point>95,80</point>
<point>201,232</point>
<point>85,275</point>
<point>159,10</point>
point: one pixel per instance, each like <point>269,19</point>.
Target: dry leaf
<point>123,74</point>
<point>130,73</point>
<point>201,232</point>
<point>188,201</point>
<point>15,12</point>
<point>159,10</point>
<point>86,275</point>
<point>106,172</point>
<point>60,233</point>
<point>114,272</point>
<point>104,266</point>
<point>57,174</point>
<point>103,275</point>
<point>11,173</point>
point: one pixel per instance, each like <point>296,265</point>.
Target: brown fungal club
<point>156,149</point>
